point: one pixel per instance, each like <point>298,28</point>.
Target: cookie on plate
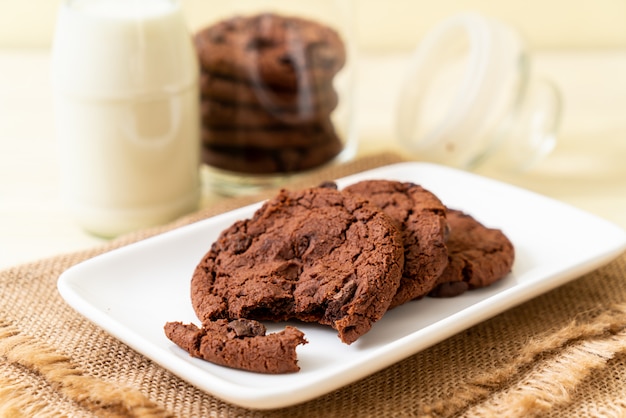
<point>239,344</point>
<point>421,217</point>
<point>478,256</point>
<point>316,255</point>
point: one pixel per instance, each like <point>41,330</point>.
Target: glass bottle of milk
<point>125,82</point>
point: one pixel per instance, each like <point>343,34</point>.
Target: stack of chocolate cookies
<point>267,93</point>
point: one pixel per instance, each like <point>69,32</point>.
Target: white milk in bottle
<point>125,80</point>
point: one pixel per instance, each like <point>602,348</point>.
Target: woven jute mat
<point>562,354</point>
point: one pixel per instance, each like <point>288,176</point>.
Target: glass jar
<point>276,83</point>
<point>125,82</point>
<point>470,98</point>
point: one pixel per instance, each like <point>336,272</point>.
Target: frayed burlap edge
<point>562,361</point>
<point>95,395</point>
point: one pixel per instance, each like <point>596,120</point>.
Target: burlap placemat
<point>560,355</point>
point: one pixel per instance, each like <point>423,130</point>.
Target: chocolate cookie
<point>254,160</point>
<point>421,217</point>
<point>240,344</point>
<point>479,256</point>
<point>307,136</point>
<point>306,101</point>
<point>216,114</point>
<point>316,255</point>
<point>269,49</point>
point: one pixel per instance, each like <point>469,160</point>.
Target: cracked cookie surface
<point>316,255</point>
<point>479,256</point>
<point>421,217</point>
<point>239,344</point>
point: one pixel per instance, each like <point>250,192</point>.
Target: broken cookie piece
<point>239,344</point>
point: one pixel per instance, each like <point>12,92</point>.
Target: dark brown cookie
<point>269,49</point>
<point>479,256</point>
<point>317,255</point>
<point>240,344</point>
<point>421,217</point>
<point>216,114</point>
<point>255,160</point>
<point>307,101</point>
<point>306,136</point>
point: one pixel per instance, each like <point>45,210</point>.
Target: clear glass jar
<point>470,98</point>
<point>125,82</point>
<point>276,83</point>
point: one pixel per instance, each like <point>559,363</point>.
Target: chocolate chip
<point>449,289</point>
<point>340,299</point>
<point>328,185</point>
<point>446,232</point>
<point>286,60</point>
<point>246,328</point>
<point>301,246</point>
<point>260,42</point>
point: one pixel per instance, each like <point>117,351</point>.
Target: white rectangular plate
<point>133,291</point>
